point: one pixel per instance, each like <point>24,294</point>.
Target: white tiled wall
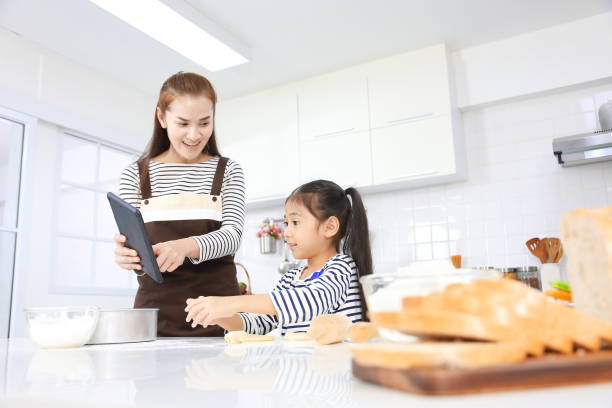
<point>515,191</point>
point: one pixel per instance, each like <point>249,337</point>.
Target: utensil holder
<point>549,272</point>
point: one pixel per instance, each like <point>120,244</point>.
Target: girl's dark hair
<point>179,84</point>
<point>324,199</point>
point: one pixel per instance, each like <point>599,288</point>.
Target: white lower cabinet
<point>344,159</point>
<point>413,151</point>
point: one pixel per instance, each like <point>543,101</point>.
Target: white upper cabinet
<point>344,159</point>
<point>409,87</point>
<point>378,126</point>
<point>333,104</point>
<point>260,132</point>
<point>413,151</point>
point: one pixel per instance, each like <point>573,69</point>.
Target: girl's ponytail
<point>357,238</point>
<point>357,241</point>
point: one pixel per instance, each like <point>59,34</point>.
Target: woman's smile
<point>190,146</point>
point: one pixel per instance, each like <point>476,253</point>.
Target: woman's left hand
<point>171,254</point>
<point>205,310</point>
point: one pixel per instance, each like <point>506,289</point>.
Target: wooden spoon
<point>560,253</point>
<point>536,247</point>
<point>552,248</point>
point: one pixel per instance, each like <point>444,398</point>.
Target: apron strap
<point>218,180</point>
<point>145,181</point>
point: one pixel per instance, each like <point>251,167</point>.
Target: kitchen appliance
<point>583,148</point>
<point>605,115</point>
<point>125,326</point>
<point>286,264</point>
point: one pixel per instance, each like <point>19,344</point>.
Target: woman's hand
<point>171,254</point>
<point>125,257</point>
<point>207,310</point>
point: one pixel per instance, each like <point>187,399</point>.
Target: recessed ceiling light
<point>165,25</point>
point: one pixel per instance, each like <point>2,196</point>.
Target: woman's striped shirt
<point>175,178</point>
<point>298,302</point>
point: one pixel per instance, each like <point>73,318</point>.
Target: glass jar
<point>510,273</point>
<point>530,276</point>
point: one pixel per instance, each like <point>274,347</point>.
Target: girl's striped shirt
<point>175,178</point>
<point>298,302</point>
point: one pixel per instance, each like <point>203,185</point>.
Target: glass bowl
<point>62,327</point>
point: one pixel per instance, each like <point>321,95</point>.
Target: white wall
<point>64,94</point>
<point>541,61</point>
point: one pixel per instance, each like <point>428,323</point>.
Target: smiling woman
<point>192,203</point>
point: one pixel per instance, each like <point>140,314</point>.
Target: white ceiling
<point>286,39</point>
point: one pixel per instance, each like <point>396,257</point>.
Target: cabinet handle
<point>411,175</point>
<point>333,133</point>
<point>415,117</point>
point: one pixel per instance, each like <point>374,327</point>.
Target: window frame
<point>55,284</point>
<point>29,123</point>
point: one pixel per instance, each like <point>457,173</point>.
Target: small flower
<point>269,229</point>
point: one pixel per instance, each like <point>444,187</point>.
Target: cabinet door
<point>344,159</point>
<point>260,132</point>
<point>409,87</point>
<point>333,104</point>
<point>413,150</point>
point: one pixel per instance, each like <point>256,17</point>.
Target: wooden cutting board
<point>547,371</point>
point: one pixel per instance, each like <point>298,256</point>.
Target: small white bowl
<point>62,327</point>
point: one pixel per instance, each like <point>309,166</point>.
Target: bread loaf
<point>586,235</point>
<point>499,310</point>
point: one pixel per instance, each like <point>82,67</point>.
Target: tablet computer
<point>130,223</point>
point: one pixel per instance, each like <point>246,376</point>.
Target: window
<point>11,147</point>
<point>84,259</point>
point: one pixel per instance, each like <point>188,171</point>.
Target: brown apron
<point>178,216</point>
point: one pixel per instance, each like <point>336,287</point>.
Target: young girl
<point>192,203</point>
<point>319,215</point>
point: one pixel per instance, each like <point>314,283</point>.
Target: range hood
<point>583,148</point>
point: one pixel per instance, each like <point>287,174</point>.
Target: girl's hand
<point>126,258</point>
<point>207,310</point>
<point>171,254</point>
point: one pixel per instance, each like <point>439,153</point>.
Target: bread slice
<point>586,235</point>
<point>443,324</point>
<point>417,355</point>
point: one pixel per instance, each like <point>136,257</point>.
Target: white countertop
<point>205,372</point>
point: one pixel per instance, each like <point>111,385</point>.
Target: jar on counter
<point>510,273</point>
<point>530,276</point>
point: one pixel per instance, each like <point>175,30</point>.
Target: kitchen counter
<point>205,372</point>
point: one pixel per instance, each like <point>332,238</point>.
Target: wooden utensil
<point>536,247</point>
<point>552,248</point>
<point>560,253</point>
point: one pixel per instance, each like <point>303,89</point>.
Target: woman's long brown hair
<point>179,84</point>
